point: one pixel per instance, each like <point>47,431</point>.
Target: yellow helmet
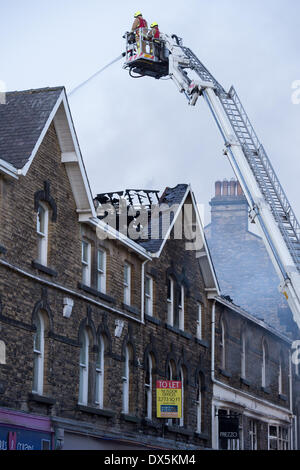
<point>137,13</point>
<point>153,24</point>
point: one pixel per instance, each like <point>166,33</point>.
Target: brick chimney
<point>229,207</point>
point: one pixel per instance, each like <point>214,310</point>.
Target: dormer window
<point>42,222</point>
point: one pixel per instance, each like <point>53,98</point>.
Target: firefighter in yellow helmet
<point>154,37</point>
<point>140,22</point>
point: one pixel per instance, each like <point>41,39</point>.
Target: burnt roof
<point>22,119</point>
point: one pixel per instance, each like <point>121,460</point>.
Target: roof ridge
<point>37,90</point>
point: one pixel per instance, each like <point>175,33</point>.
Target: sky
<point>141,133</point>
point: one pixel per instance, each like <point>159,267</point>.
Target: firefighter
<point>140,22</point>
<point>155,38</point>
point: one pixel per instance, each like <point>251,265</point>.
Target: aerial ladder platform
<point>269,207</point>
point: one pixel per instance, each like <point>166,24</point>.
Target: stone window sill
<point>96,411</point>
<point>202,435</point>
<point>265,390</point>
<point>152,319</point>
<point>202,342</point>
<point>151,424</point>
<point>130,418</point>
<point>41,399</point>
<point>130,309</point>
<point>245,381</point>
<point>225,373</point>
<point>178,331</point>
<point>96,293</point>
<point>2,250</point>
<point>179,430</point>
<point>282,397</point>
<point>43,269</point>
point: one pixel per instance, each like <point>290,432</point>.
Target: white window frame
<point>199,322</point>
<point>182,377</point>
<point>84,369</point>
<point>170,302</point>
<point>281,442</point>
<point>280,378</point>
<point>149,296</point>
<point>223,346</point>
<point>199,406</point>
<point>101,271</point>
<point>100,377</point>
<point>253,434</point>
<point>127,284</point>
<point>126,381</point>
<point>243,357</point>
<point>39,356</point>
<point>263,366</point>
<point>181,308</point>
<point>42,235</point>
<point>149,388</point>
<point>86,263</point>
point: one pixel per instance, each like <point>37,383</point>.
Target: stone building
<point>90,322</point>
<point>94,310</point>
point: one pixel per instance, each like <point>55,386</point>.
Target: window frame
<point>181,305</point>
<point>43,236</point>
<point>170,301</point>
<point>86,264</point>
<point>127,284</point>
<point>101,272</point>
<point>39,356</point>
<point>100,373</point>
<point>199,333</point>
<point>84,369</point>
<point>149,296</point>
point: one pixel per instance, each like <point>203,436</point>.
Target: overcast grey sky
<point>140,133</point>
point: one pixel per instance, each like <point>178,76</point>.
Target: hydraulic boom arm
<point>269,206</point>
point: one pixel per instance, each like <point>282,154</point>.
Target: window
<point>183,382</point>
<point>170,301</point>
<point>86,262</point>
<point>84,368</point>
<point>149,387</point>
<point>278,438</point>
<point>2,352</point>
<point>127,284</point>
<point>222,346</point>
<point>280,378</point>
<point>243,357</point>
<point>181,309</point>
<point>199,405</point>
<point>39,355</point>
<point>101,271</point>
<point>253,434</point>
<point>127,380</point>
<point>149,296</point>
<point>171,375</point>
<point>99,399</point>
<point>42,232</point>
<point>263,366</point>
<point>199,322</point>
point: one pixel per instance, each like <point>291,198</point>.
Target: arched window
<point>100,373</point>
<point>199,404</point>
<point>84,368</point>
<point>149,387</point>
<point>127,379</point>
<point>42,222</point>
<point>39,354</point>
<point>243,356</point>
<point>263,365</point>
<point>223,346</point>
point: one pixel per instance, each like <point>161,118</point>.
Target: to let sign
<point>168,398</point>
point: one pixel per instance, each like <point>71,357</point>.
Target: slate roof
<point>22,120</point>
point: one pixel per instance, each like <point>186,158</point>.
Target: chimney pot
<point>225,187</point>
<point>218,188</point>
